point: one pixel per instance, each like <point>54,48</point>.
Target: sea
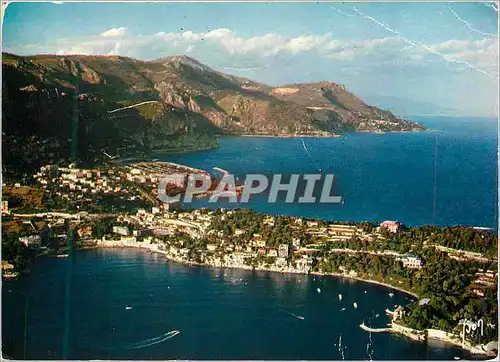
<point>131,304</point>
<point>445,176</point>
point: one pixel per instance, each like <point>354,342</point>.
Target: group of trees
<point>15,252</point>
<point>447,285</point>
<point>457,237</point>
<point>253,223</point>
<point>374,267</point>
<point>102,227</point>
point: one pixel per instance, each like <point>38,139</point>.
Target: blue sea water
<point>392,176</point>
<point>76,308</point>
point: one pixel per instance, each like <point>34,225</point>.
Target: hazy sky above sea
<point>445,54</point>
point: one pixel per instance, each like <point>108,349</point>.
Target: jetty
<point>375,330</point>
<point>221,170</point>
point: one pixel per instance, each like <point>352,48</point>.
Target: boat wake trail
<point>298,316</point>
<point>309,153</point>
<point>153,341</point>
<point>305,147</point>
<point>369,348</point>
<point>341,348</point>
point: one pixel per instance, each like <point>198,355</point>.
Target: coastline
<point>393,327</point>
<point>159,151</point>
<point>170,151</point>
<point>287,136</point>
<point>108,244</point>
<point>371,281</point>
<point>420,336</point>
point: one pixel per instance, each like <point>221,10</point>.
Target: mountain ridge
<point>68,99</point>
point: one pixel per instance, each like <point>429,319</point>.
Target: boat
<point>366,292</point>
<point>62,255</point>
<point>319,290</point>
<point>355,305</point>
<point>340,296</point>
<point>128,307</point>
<point>343,309</point>
<point>391,295</point>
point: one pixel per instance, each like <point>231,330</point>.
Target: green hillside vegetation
<point>58,109</point>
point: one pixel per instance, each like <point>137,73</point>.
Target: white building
<point>283,251</point>
<point>272,252</point>
<point>238,232</point>
<point>392,226</point>
<point>121,230</point>
<point>32,241</point>
<point>411,261</point>
<point>211,247</point>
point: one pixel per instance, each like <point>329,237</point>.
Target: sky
<point>442,54</point>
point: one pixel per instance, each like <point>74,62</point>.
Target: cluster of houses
<point>159,221</point>
<point>145,229</point>
<point>483,280</point>
<point>84,181</point>
<point>149,226</point>
<point>154,172</point>
<point>50,229</point>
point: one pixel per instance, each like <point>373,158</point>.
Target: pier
<point>375,330</point>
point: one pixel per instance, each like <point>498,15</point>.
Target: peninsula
<point>451,271</point>
<point>116,106</point>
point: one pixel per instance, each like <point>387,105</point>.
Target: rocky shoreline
<point>415,335</point>
<point>333,135</point>
<point>154,248</point>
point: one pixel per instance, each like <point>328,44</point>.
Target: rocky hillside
<point>327,98</point>
<point>85,108</point>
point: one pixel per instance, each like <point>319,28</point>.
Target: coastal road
<point>132,106</point>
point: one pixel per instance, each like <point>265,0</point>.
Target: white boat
<point>319,290</point>
<point>343,309</point>
<point>340,296</point>
<point>391,295</point>
<point>62,255</point>
<point>355,305</point>
<point>128,307</point>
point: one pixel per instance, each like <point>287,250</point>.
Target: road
<point>132,106</point>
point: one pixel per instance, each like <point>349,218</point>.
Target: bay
<point>121,304</point>
<point>117,303</point>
